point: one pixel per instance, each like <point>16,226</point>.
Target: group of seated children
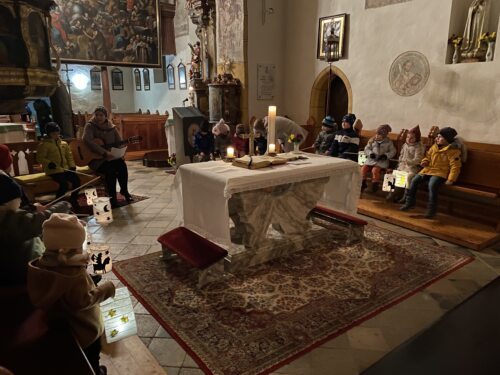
<point>213,144</point>
<point>440,165</point>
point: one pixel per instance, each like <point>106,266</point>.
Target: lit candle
<point>272,148</point>
<point>271,125</point>
<point>230,153</point>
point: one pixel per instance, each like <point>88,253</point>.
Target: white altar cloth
<point>204,189</point>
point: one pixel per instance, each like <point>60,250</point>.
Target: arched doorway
<point>340,96</point>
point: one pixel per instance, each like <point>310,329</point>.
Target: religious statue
<point>477,22</point>
<point>195,59</point>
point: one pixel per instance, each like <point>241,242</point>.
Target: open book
<point>256,162</point>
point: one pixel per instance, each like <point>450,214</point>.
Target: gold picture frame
<point>336,22</point>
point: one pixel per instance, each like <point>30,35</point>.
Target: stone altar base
<point>278,245</point>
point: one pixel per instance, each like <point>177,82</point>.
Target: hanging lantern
<point>100,257</point>
<point>90,194</point>
<point>332,52</point>
<point>102,210</point>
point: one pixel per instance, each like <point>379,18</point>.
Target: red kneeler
<point>196,251</point>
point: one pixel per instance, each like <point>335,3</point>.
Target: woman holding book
<point>100,128</point>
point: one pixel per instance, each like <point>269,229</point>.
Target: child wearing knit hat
<point>222,139</point>
<point>441,165</point>
<point>240,141</point>
<point>19,232</point>
<point>378,150</point>
<point>345,143</point>
<point>326,135</point>
<point>410,157</point>
<point>58,283</point>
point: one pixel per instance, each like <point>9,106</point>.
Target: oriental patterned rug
<point>260,321</point>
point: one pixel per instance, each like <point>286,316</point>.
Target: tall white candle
<point>271,125</point>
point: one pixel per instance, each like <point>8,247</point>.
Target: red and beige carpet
<point>258,322</point>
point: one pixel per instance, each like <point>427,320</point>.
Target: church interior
<point>237,187</point>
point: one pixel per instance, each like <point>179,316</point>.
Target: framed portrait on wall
<point>138,80</point>
<point>181,68</point>
<point>117,79</point>
<point>81,32</point>
<point>145,76</point>
<point>327,25</point>
<point>95,78</point>
<point>170,77</point>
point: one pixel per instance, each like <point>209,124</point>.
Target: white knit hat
<point>63,231</point>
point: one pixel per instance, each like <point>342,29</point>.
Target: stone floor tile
<point>189,362</point>
<point>167,352</point>
<point>135,249</point>
<point>162,333</point>
<point>158,224</point>
<point>140,309</point>
<point>152,231</point>
<point>367,338</point>
<point>145,240</point>
<point>365,358</point>
<point>339,342</point>
<point>191,371</point>
<point>172,370</point>
<point>146,340</point>
<point>146,325</point>
<point>323,362</point>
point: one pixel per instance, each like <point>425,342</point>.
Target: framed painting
<point>138,80</point>
<point>113,32</point>
<point>170,77</point>
<point>181,68</point>
<point>327,25</point>
<point>95,78</point>
<point>117,79</point>
<point>145,76</point>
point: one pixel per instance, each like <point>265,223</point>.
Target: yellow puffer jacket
<point>57,152</point>
<point>444,162</point>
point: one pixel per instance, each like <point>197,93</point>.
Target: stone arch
<point>319,92</point>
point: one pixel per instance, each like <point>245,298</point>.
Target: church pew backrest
<point>23,157</point>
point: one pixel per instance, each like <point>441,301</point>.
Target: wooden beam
<point>106,93</point>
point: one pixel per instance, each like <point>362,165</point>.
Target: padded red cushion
<point>194,249</point>
<point>339,215</point>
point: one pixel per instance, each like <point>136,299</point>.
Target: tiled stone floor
<point>136,227</point>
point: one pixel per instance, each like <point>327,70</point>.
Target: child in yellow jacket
<point>441,164</point>
<point>55,156</point>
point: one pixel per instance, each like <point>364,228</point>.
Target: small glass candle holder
<point>230,154</point>
<point>271,150</point>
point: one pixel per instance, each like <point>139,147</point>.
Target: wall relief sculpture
<point>409,73</point>
<point>382,3</point>
<point>230,30</point>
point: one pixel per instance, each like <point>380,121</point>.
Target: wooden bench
<point>29,173</point>
<point>31,344</point>
<point>196,251</point>
<point>473,202</point>
<point>355,226</point>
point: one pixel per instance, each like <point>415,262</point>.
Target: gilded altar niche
<point>25,67</point>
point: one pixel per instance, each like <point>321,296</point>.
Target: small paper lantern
<point>90,194</point>
<point>100,257</point>
<point>361,158</point>
<point>401,178</point>
<point>388,184</point>
<point>102,210</point>
<point>118,316</point>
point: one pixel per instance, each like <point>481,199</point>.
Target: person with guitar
<point>99,134</point>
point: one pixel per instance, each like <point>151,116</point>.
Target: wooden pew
<point>470,208</point>
<point>29,173</point>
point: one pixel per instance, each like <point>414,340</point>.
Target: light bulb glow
<point>80,81</point>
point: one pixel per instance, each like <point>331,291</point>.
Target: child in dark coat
<point>345,144</point>
<point>325,137</point>
<point>204,142</point>
<point>260,142</point>
<point>240,142</point>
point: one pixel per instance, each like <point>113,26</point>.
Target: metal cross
<point>68,81</point>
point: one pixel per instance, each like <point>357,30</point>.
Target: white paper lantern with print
<point>90,194</point>
<point>388,184</point>
<point>102,210</point>
<point>100,256</point>
<point>401,179</point>
<point>118,316</point>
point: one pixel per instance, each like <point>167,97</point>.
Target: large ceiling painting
<point>112,32</point>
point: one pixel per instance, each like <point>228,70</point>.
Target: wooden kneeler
<point>355,226</point>
<point>196,251</point>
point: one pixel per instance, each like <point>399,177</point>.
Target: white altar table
<point>205,189</point>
